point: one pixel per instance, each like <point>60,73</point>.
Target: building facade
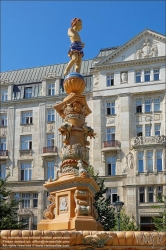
<point>126,91</point>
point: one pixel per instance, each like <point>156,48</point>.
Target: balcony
<point>112,145</point>
<point>140,141</point>
<point>49,151</point>
<point>3,154</point>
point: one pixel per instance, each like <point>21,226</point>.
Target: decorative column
<point>72,192</point>
<point>146,194</point>
<point>41,205</point>
<point>145,161</point>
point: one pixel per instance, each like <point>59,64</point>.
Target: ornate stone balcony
<point>112,145</point>
<point>3,154</point>
<point>49,151</point>
<point>142,140</point>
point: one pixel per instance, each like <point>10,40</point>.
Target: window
<point>159,191</point>
<point>35,199</point>
<point>110,108</point>
<point>156,74</point>
<point>17,196</point>
<point>140,162</point>
<point>159,160</point>
<point>148,130</point>
<point>150,161</point>
<point>50,169</point>
<point>111,165</point>
<point>141,195</point>
<point>138,76</point>
<point>26,171</point>
<point>50,140</point>
<point>4,95</point>
<point>147,75</point>
<point>110,80</point>
<point>148,106</point>
<point>139,106</point>
<point>157,129</point>
<point>51,89</point>
<point>26,142</point>
<point>3,143</point>
<point>50,115</point>
<point>112,193</point>
<point>28,92</point>
<point>110,134</point>
<point>150,194</point>
<point>139,130</point>
<point>156,104</point>
<point>27,117</point>
<point>2,171</point>
<point>3,120</point>
<point>25,200</point>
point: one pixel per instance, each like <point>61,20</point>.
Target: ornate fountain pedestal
<point>71,194</point>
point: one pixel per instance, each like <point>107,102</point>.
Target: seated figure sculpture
<point>76,47</point>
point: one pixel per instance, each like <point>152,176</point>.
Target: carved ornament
<point>147,49</point>
<point>141,140</point>
<point>76,152</point>
<point>63,204</point>
<point>82,204</point>
<point>99,240</point>
<point>49,212</point>
<point>128,162</point>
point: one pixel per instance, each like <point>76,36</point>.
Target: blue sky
<point>34,33</point>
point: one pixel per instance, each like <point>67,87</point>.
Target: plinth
<point>71,194</point>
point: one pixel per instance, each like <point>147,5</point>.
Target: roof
<point>106,52</point>
<point>36,74</point>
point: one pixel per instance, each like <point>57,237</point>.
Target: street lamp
<point>118,206</point>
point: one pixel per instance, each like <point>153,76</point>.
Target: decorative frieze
<point>141,140</point>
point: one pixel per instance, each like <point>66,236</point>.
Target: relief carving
<point>124,77</point>
<point>82,170</point>
<point>110,120</point>
<point>88,132</point>
<point>3,131</point>
<point>65,130</point>
<point>63,204</point>
<point>99,240</point>
<point>81,200</point>
<point>140,140</point>
<point>49,212</point>
<point>76,152</point>
<point>50,126</point>
<point>148,48</point>
<point>128,162</point>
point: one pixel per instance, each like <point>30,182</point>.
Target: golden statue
<point>76,47</point>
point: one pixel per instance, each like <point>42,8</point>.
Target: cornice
<point>130,63</point>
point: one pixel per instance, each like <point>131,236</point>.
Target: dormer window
<point>28,92</point>
<point>51,89</point>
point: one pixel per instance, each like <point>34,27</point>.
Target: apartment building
<point>126,91</point>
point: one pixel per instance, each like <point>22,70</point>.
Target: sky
<point>34,33</point>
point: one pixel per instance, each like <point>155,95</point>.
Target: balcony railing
<point>51,149</point>
<point>111,144</point>
<point>3,152</point>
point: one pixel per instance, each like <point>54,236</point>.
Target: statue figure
<point>65,130</point>
<point>82,170</point>
<point>76,47</point>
